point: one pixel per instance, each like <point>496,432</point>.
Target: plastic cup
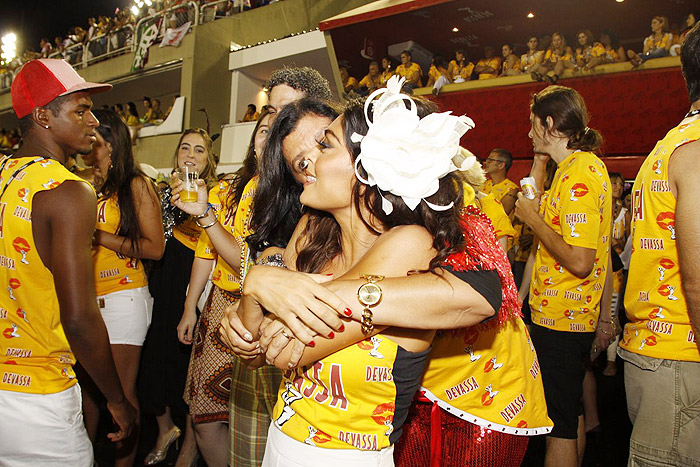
<point>188,175</point>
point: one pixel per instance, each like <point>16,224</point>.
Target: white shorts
<point>283,451</point>
<point>127,315</point>
<point>43,429</point>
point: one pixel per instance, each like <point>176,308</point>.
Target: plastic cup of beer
<point>188,175</point>
<point>527,187</point>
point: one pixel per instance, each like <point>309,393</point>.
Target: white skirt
<point>284,451</point>
<point>127,315</point>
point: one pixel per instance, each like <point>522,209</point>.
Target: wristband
<point>204,214</point>
<point>208,225</point>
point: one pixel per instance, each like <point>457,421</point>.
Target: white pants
<point>283,451</point>
<point>43,430</point>
<point>127,315</point>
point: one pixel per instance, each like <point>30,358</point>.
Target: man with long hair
<point>572,222</point>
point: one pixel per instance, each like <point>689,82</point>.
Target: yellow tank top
<point>659,324</point>
<point>34,353</point>
<point>578,207</point>
<point>357,397</point>
<point>489,376</point>
<point>223,276</point>
<point>499,190</point>
<point>114,271</point>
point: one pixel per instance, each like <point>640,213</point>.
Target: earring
<point>110,161</point>
<point>46,126</point>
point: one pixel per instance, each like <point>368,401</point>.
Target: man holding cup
<point>572,222</point>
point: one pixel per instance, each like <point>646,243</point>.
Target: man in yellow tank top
<point>49,312</point>
<point>499,185</point>
<point>660,343</point>
<point>572,223</point>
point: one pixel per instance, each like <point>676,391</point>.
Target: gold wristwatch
<point>369,295</point>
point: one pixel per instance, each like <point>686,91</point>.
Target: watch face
<point>369,294</point>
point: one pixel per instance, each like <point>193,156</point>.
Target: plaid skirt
<point>208,385</point>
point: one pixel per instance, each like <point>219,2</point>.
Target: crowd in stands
<point>104,34</point>
<point>544,59</point>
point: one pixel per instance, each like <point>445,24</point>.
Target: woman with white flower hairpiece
<point>350,404</point>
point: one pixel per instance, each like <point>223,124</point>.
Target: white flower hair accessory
<point>407,155</point>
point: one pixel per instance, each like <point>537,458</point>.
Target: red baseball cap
<point>43,80</point>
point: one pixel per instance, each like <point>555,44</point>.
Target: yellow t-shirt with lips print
<point>355,398</point>
<point>659,324</point>
<point>35,356</point>
<point>577,207</point>
<point>114,271</point>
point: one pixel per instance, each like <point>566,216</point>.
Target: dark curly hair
<point>303,79</point>
<point>322,242</point>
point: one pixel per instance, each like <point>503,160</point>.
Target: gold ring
<point>284,333</point>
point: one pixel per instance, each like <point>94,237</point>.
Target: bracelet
<point>606,322</point>
<point>204,214</point>
<point>208,225</point>
<point>369,295</point>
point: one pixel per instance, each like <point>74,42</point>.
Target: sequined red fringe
<point>483,251</point>
<point>463,444</point>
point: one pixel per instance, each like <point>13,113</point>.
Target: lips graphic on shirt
<point>320,437</point>
<point>555,220</point>
<point>217,275</point>
<point>654,313</point>
<point>579,190</point>
<point>651,340</point>
<point>22,193</point>
<point>589,299</point>
<point>545,302</point>
<point>21,245</point>
<point>657,165</point>
<point>365,344</point>
<point>666,263</point>
<point>522,424</point>
<point>591,322</point>
<point>664,291</point>
<point>383,413</point>
<point>486,399</point>
<point>666,219</point>
<point>15,283</point>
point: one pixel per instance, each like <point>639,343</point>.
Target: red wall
<point>632,110</point>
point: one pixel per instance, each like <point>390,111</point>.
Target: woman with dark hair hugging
<point>128,230</point>
<point>383,201</point>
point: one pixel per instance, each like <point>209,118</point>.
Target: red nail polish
<point>328,274</point>
<point>341,328</point>
<point>331,335</point>
<point>348,312</point>
<point>312,344</point>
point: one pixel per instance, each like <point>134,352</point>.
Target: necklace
<point>692,113</point>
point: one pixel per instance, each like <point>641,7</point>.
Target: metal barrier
<point>6,78</point>
<point>116,42</point>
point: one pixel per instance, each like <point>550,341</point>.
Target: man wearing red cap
<point>49,312</point>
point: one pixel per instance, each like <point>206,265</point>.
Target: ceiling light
<point>531,15</point>
<point>455,29</point>
<point>619,1</point>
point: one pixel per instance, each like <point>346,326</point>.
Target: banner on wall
<point>173,36</point>
<point>145,37</point>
